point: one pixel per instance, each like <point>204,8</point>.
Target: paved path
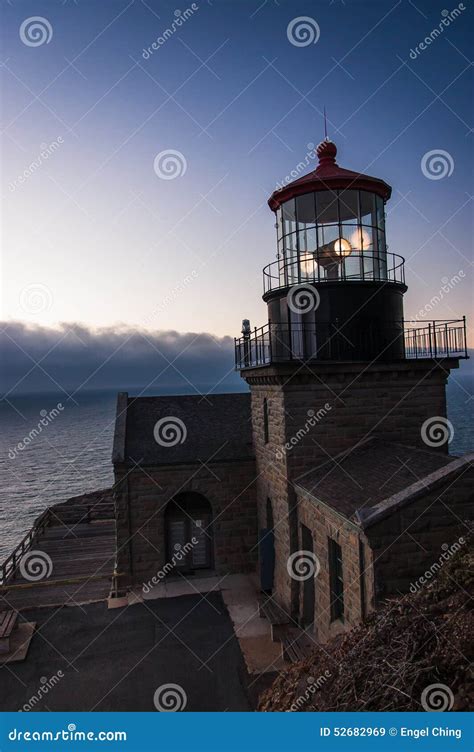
<point>240,594</point>
<point>116,659</point>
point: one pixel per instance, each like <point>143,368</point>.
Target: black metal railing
<point>358,341</point>
<point>319,267</point>
<point>436,339</point>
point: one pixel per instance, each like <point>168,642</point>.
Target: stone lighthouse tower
<point>335,369</point>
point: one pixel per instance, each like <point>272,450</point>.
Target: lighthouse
<point>334,291</point>
<point>332,475</point>
<point>342,387</point>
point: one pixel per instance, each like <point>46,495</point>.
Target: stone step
<point>276,615</point>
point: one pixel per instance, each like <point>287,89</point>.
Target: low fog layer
<point>74,357</point>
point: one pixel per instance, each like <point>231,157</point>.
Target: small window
<point>336,582</point>
<point>265,421</point>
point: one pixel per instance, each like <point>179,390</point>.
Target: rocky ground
<point>391,662</point>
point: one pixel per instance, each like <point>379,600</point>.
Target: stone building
<point>332,477</point>
<point>184,470</point>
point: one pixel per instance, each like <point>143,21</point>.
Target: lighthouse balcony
<point>336,341</point>
<point>321,266</point>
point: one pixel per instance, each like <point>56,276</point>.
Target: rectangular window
<point>265,421</point>
<point>336,582</point>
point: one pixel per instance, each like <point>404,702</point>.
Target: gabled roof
<point>376,477</point>
<point>182,429</point>
<point>329,176</point>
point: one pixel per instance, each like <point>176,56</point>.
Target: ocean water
<point>71,455</point>
<point>72,452</point>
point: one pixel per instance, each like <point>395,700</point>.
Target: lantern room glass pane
<point>289,216</point>
<point>349,233</point>
<point>306,210</point>
<point>381,243</point>
<point>349,206</point>
<point>293,269</point>
<point>307,240</point>
<point>380,212</point>
<point>367,208</point>
<point>280,249</point>
<point>367,236</point>
<point>308,266</point>
<point>344,229</point>
<point>352,267</point>
<point>327,234</point>
<point>290,243</point>
<point>327,207</point>
<point>278,223</point>
<point>368,262</point>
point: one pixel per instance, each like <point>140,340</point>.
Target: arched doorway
<point>188,526</point>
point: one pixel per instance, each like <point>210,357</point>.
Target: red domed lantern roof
<point>329,176</point>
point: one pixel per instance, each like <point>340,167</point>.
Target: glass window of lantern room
<point>307,241</point>
<point>290,244</point>
<point>279,228</point>
<point>367,209</point>
<point>380,208</point>
<point>327,234</point>
<point>290,240</point>
<point>349,207</point>
<point>306,211</point>
<point>327,207</point>
<point>306,221</point>
<point>288,211</point>
<point>327,212</point>
<point>382,254</point>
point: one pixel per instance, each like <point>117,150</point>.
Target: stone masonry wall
<point>352,406</point>
<point>408,542</point>
<point>141,496</point>
<point>272,482</point>
<point>347,403</point>
<point>324,524</point>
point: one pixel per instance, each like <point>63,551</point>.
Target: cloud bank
<point>75,357</point>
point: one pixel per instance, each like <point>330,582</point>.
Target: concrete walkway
<point>95,659</point>
<point>239,593</point>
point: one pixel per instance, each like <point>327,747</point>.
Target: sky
<point>149,211</point>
